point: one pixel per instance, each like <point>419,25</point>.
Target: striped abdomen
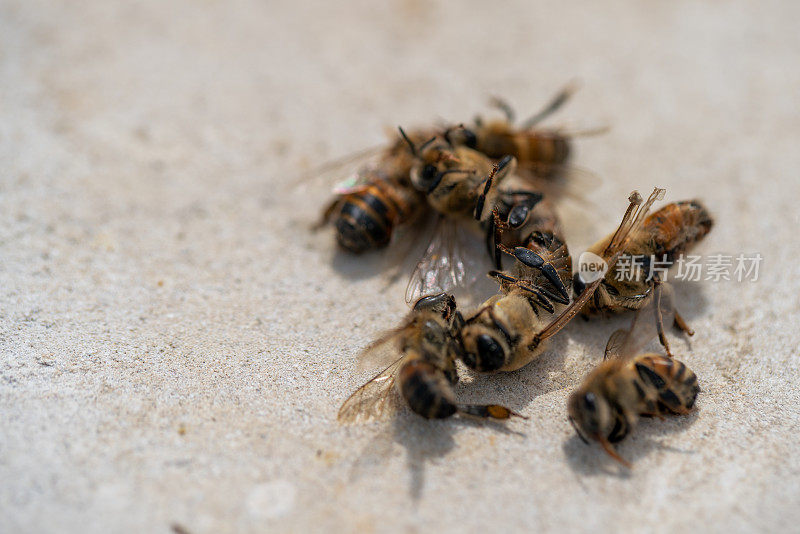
<point>673,230</point>
<point>426,389</point>
<point>367,217</point>
<point>528,146</point>
<point>665,385</point>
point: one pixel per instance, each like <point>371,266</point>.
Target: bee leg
<point>499,171</point>
<point>544,297</point>
<point>654,414</point>
<point>520,211</point>
<point>487,411</point>
<point>531,259</point>
<point>681,324</point>
<point>493,234</point>
<point>612,452</point>
<point>496,227</point>
<point>326,214</point>
<point>662,336</point>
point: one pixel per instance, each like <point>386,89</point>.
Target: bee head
<point>589,414</point>
<point>484,349</point>
<point>434,161</point>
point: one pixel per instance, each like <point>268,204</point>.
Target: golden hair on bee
<point>629,385</point>
<point>535,148</point>
<point>423,349</point>
<point>366,212</point>
<point>511,329</point>
<point>665,235</point>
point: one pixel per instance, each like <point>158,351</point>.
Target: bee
<point>459,181</point>
<point>461,186</point>
<point>511,328</point>
<point>665,235</point>
<point>366,212</point>
<point>424,349</point>
<point>466,199</point>
<point>540,149</point>
<point>628,384</point>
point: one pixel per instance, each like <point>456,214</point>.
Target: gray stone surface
<point>174,344</point>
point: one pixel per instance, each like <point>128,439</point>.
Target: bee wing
<point>341,168</point>
<point>381,352</point>
<point>615,344</point>
<point>451,261</point>
<point>628,343</point>
<point>372,400</point>
<point>558,182</point>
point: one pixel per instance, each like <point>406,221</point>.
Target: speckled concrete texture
<point>174,344</point>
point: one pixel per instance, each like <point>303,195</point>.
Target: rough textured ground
<point>174,345</point>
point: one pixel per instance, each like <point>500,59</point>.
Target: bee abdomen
<point>674,385</point>
<point>426,390</point>
<point>677,227</point>
<point>546,148</point>
<point>529,147</point>
<point>367,217</point>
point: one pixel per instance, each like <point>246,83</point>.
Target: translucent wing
<point>344,170</point>
<point>452,260</point>
<point>558,182</point>
<point>629,343</point>
<point>372,400</point>
<point>381,352</point>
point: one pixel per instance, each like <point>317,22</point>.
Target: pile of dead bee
<point>499,177</point>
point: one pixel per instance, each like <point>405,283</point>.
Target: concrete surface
<point>174,344</point>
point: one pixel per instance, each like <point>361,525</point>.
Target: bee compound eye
<point>429,173</point>
<point>590,402</point>
<point>491,355</point>
<point>470,139</point>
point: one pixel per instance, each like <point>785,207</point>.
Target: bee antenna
<point>407,140</point>
<point>426,143</point>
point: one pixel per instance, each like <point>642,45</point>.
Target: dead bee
<point>458,181</point>
<point>538,149</point>
<point>511,328</point>
<point>465,200</point>
<point>665,235</point>
<point>424,350</point>
<point>461,186</point>
<point>628,384</point>
<point>366,211</point>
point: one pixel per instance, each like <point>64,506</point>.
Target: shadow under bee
<point>423,442</point>
<point>650,434</point>
<point>426,441</point>
<point>691,299</point>
<point>395,261</point>
<point>691,302</point>
<point>517,389</point>
<point>360,267</point>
